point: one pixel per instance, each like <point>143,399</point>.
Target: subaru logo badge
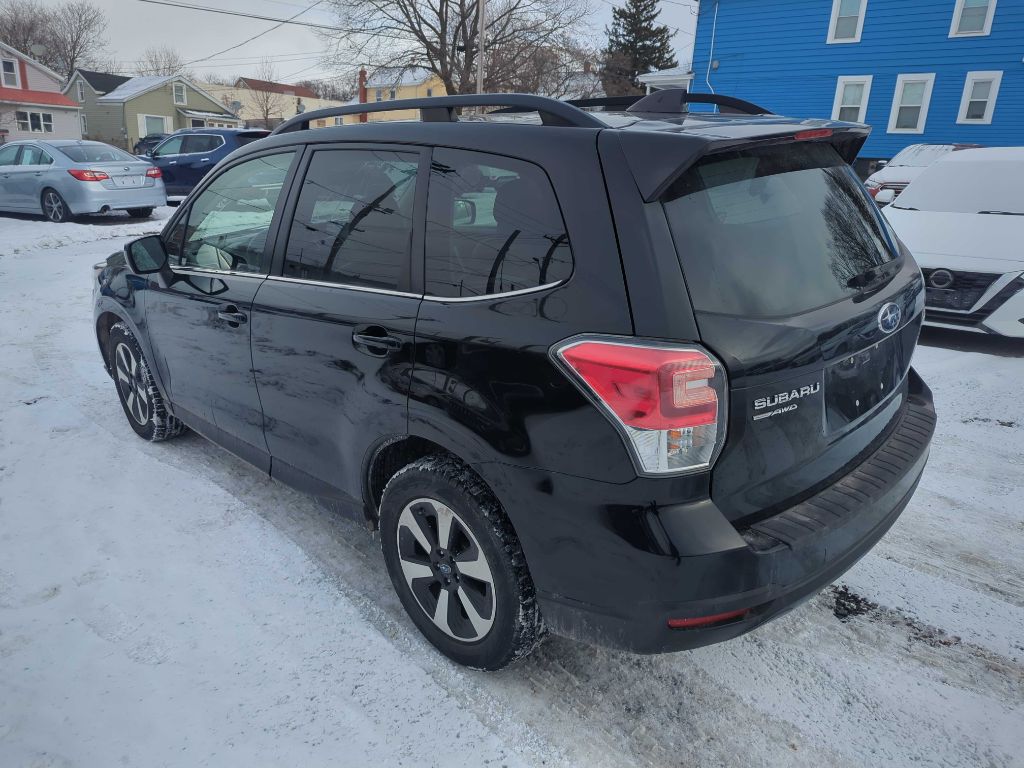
<point>889,317</point>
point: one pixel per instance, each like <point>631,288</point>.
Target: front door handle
<point>378,346</point>
<point>232,316</point>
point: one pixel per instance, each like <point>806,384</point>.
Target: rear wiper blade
<point>1003,213</point>
<point>903,207</point>
<point>872,275</point>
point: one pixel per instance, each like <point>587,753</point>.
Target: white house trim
<point>841,84</point>
<point>996,79</point>
<point>834,20</point>
<point>958,12</point>
<point>928,78</point>
<point>3,74</point>
<point>168,124</point>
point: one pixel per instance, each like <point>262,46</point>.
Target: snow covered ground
<point>168,605</point>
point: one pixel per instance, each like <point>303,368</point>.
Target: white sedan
<point>963,219</point>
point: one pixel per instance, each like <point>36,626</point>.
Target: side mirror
<point>146,255</point>
<point>464,213</point>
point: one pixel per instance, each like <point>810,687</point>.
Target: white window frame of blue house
<point>958,12</point>
<point>928,78</point>
<point>841,84</point>
<point>995,79</point>
<point>834,21</point>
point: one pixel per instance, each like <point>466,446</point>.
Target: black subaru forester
<point>638,376</point>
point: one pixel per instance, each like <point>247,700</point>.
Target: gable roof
<point>101,82</point>
<point>268,86</point>
<point>29,60</point>
<point>392,77</point>
<point>137,86</point>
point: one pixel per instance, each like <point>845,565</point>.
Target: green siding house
<point>120,110</point>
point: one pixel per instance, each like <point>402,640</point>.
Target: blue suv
<point>187,155</point>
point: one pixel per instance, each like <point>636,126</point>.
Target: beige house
<point>392,83</point>
<point>139,106</point>
<point>266,104</point>
<point>31,103</point>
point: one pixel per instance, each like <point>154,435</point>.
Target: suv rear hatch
<point>792,274</point>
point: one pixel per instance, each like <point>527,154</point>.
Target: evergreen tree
<point>637,44</point>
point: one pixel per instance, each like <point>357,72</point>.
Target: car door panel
<point>333,337</point>
<point>28,178</point>
<point>8,159</point>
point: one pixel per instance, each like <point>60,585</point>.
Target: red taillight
<point>707,621</point>
<point>153,173</point>
<point>873,191</point>
<point>87,175</point>
<point>668,401</point>
<point>816,133</point>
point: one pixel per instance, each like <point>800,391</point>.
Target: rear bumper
<point>686,561</point>
<point>93,198</point>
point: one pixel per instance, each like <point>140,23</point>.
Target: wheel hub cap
<point>446,570</point>
<point>131,385</point>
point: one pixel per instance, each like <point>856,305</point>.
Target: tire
<point>480,567</point>
<point>142,402</point>
<point>140,213</point>
<point>54,206</point>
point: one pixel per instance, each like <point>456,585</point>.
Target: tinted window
<point>97,153</point>
<point>34,156</point>
<point>773,231</point>
<point>201,143</point>
<point>353,222</point>
<point>493,225</point>
<point>170,147</point>
<point>228,223</point>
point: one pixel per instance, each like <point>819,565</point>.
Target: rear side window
<point>493,226</point>
<point>34,156</point>
<point>353,221</point>
<point>201,143</point>
<point>773,231</point>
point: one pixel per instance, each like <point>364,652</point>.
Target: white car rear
<point>963,219</point>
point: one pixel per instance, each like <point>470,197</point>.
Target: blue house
<point>934,71</point>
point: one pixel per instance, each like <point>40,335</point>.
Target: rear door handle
<point>377,346</point>
<point>231,315</point>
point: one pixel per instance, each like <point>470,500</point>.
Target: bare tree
<point>67,36</point>
<point>441,35</point>
<point>561,69</point>
<point>268,105</point>
<point>162,60</point>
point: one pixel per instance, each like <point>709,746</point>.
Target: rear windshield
<point>993,183</point>
<point>97,153</point>
<point>773,231</point>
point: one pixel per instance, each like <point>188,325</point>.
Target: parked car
<point>642,379</point>
<point>186,156</point>
<point>145,145</point>
<point>963,218</point>
<point>886,184</point>
<point>65,178</point>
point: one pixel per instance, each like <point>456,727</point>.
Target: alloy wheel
<point>53,206</point>
<point>130,383</point>
<point>446,570</point>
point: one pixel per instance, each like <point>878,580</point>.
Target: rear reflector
<point>87,175</point>
<point>668,402</point>
<point>817,133</point>
<point>707,621</point>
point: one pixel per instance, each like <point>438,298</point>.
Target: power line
<point>242,14</point>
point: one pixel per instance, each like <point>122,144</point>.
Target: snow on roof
<point>663,74</point>
<point>136,86</point>
<point>986,155</point>
<point>215,115</point>
<point>392,77</point>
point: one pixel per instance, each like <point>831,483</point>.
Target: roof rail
<point>442,109</point>
<point>674,101</point>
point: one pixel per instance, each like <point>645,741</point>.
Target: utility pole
<point>480,47</point>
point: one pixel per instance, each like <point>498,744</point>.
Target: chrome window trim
<point>188,269</point>
<point>387,292</point>
<point>327,284</point>
<point>488,296</point>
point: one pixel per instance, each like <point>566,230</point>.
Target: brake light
<point>87,175</point>
<point>154,173</point>
<point>668,402</point>
<point>816,133</point>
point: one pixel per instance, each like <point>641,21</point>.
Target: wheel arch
<point>104,322</point>
<point>386,459</point>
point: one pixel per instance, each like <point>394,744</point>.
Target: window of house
<point>979,99</point>
<point>9,72</point>
<point>851,102</point>
<point>392,94</point>
<point>430,92</point>
<point>972,18</point>
<point>353,220</point>
<point>179,93</point>
<point>229,221</point>
<point>380,94</point>
<point>339,121</point>
<point>493,226</point>
<point>910,103</point>
<point>36,122</point>
<point>847,21</point>
<point>81,92</point>
<point>85,125</point>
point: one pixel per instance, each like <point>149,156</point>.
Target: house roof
<point>270,87</point>
<point>102,82</point>
<point>136,86</point>
<point>392,77</point>
<point>37,98</point>
<point>28,59</point>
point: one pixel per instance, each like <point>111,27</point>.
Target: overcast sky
<point>135,26</point>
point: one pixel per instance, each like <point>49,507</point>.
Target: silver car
<point>63,178</point>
